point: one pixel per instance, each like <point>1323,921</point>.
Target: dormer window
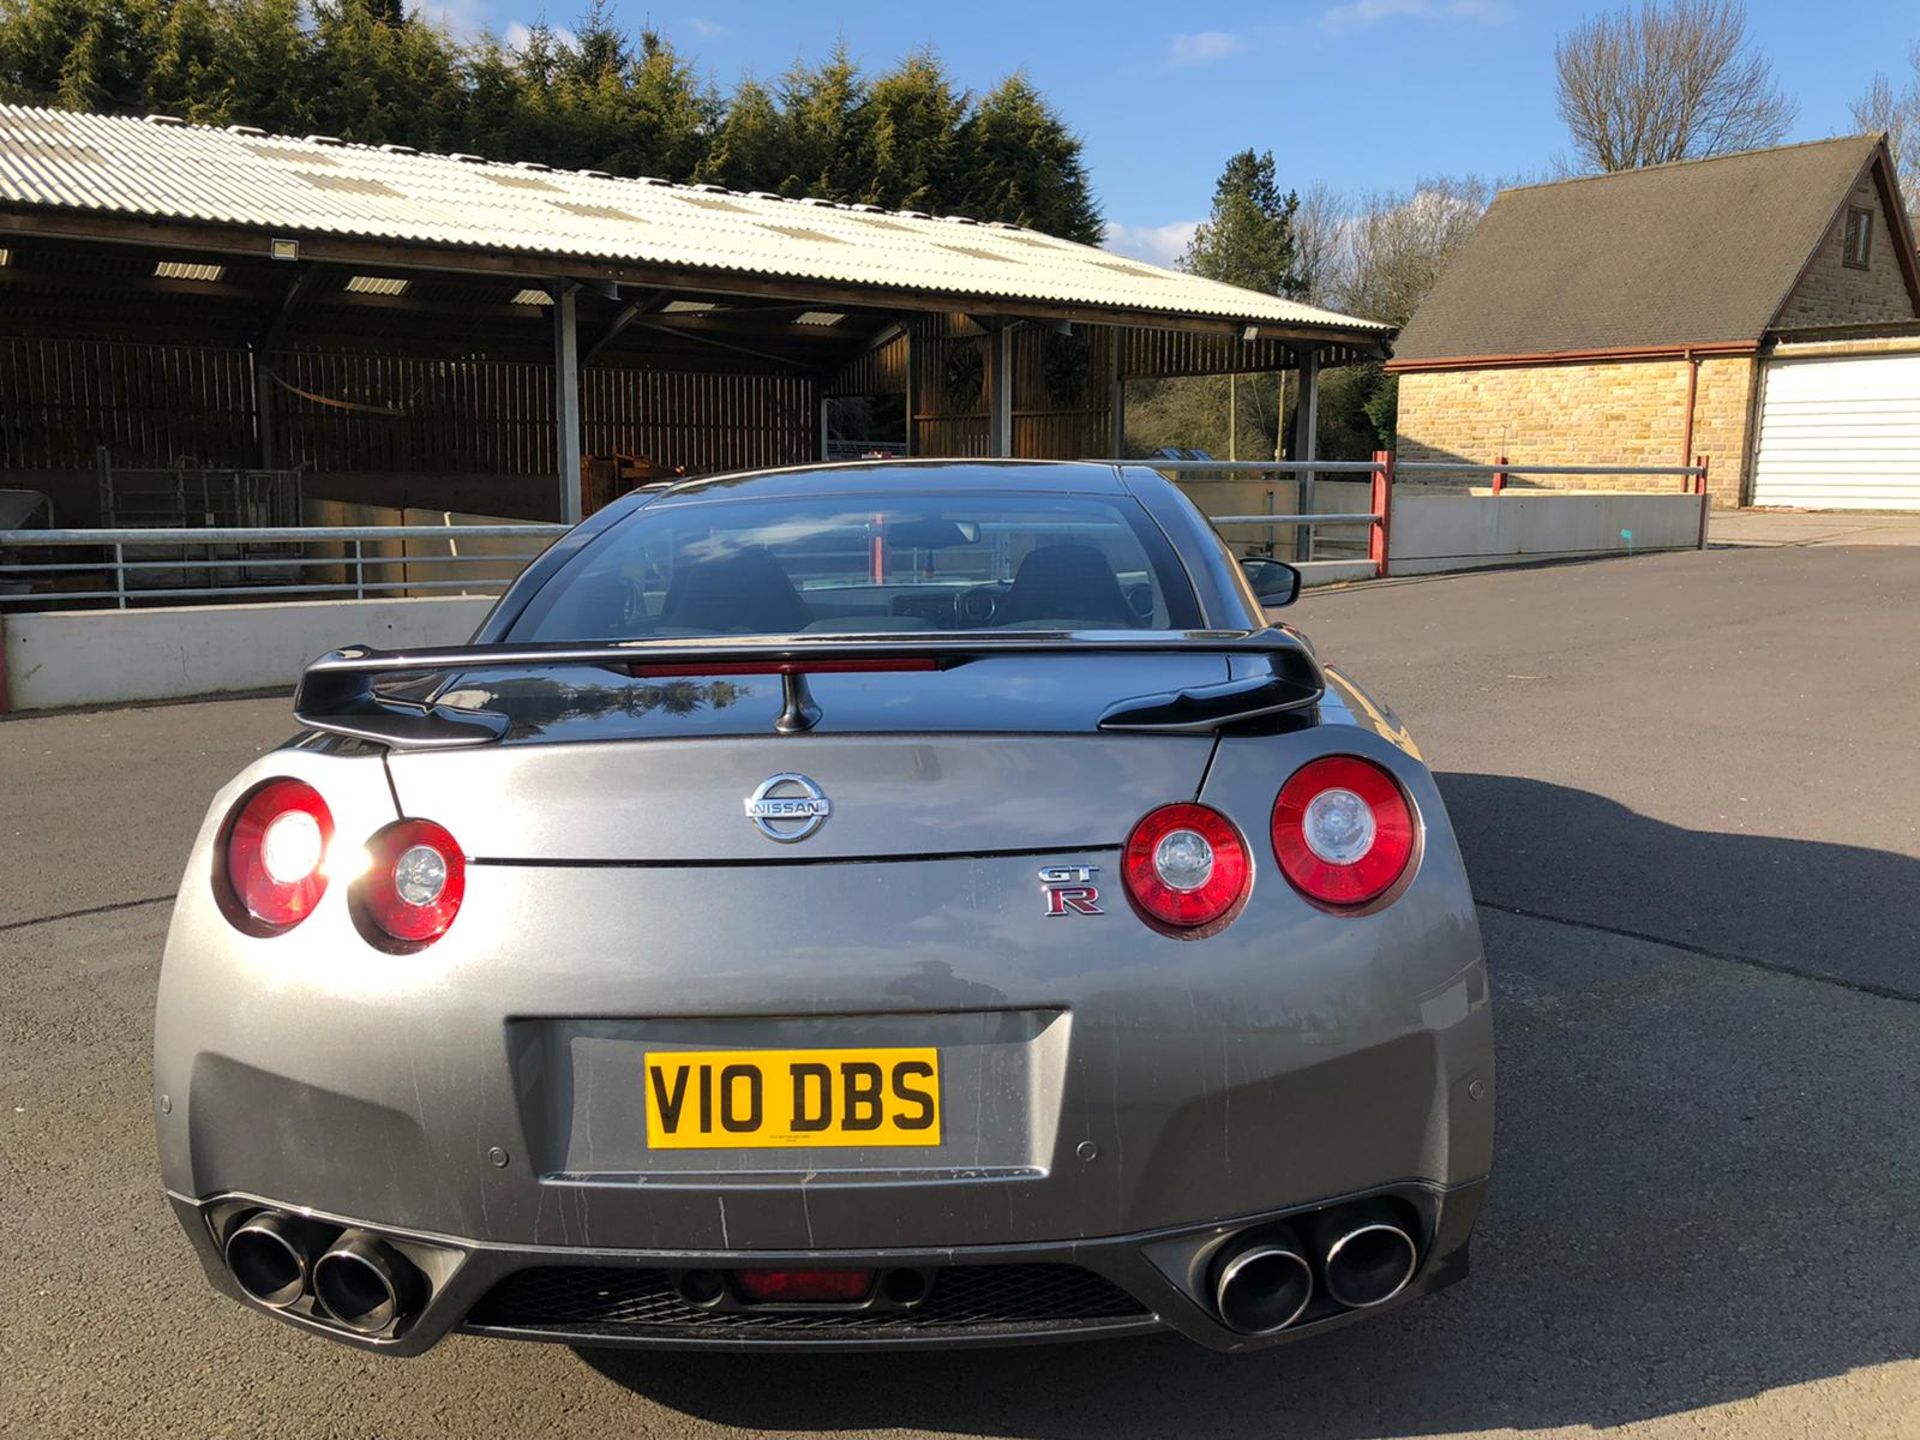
<point>1857,246</point>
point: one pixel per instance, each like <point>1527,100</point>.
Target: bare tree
<point>1667,82</point>
<point>1321,227</point>
<point>1397,245</point>
<point>1897,113</point>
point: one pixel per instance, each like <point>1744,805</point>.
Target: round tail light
<point>1342,830</point>
<point>1186,867</point>
<point>276,855</point>
<point>415,878</point>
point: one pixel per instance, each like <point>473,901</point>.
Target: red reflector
<point>877,666</point>
<point>804,1287</point>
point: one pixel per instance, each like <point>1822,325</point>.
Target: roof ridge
<point>1876,136</point>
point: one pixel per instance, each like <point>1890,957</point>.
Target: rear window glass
<point>864,564</point>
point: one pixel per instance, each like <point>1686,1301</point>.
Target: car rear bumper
<point>591,1296</point>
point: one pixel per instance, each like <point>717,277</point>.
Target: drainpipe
<point>1693,391</point>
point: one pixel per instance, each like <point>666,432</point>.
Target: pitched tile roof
<point>1694,253</point>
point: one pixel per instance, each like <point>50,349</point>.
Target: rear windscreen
<point>863,564</point>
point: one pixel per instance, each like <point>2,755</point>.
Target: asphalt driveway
<point>1686,786</point>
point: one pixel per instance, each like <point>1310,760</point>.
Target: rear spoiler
<point>1270,672</point>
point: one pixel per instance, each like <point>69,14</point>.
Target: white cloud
<point>1353,14</point>
<point>706,29</point>
<point>464,19</point>
<point>518,34</point>
<point>1156,244</point>
<point>1203,47</point>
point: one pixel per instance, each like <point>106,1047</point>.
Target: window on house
<point>1859,239</point>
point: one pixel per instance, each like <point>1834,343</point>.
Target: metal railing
<point>230,567</point>
<point>228,561</point>
<point>1384,471</point>
<point>1306,521</point>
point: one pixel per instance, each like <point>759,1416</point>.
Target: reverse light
<point>276,852</point>
<point>1342,831</point>
<point>1186,867</point>
<point>415,878</point>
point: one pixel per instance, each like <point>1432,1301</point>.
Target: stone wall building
<point>1628,318</point>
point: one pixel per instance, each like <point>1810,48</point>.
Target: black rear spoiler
<point>1270,672</point>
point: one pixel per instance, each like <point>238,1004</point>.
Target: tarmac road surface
<point>1687,789</point>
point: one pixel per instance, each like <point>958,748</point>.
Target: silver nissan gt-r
<point>853,906</point>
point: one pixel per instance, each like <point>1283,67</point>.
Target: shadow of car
<point>1709,1189</point>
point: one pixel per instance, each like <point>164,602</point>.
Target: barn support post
<point>1306,444</point>
<point>263,408</point>
<point>566,399</point>
<point>1116,395</point>
<point>1000,391</point>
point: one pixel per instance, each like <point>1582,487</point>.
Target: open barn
<point>206,325</point>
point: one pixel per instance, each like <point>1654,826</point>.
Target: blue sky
<point>1363,94</point>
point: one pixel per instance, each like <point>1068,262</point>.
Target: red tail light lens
<point>1342,830</point>
<point>1186,866</point>
<point>276,855</point>
<point>415,879</point>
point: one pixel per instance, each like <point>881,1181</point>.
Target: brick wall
<point>1621,412</point>
<point>1834,293</point>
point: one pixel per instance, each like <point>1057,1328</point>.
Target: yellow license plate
<point>746,1099</point>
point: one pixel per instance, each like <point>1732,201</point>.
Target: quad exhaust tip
<point>1265,1286</point>
<point>270,1256</point>
<point>365,1284</point>
<point>1368,1260</point>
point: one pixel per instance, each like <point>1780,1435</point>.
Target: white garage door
<point>1840,434</point>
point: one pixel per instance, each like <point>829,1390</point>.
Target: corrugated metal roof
<point>53,160</point>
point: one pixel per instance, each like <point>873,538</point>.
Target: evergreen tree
<point>914,116</point>
<point>1022,164</point>
<point>1247,239</point>
<point>827,128</point>
<point>368,71</point>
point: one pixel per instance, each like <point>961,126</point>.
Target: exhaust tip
<point>365,1284</point>
<point>1369,1264</point>
<point>267,1257</point>
<point>1263,1288</point>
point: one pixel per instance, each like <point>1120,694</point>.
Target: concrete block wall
<point>1617,412</point>
<point>98,657</point>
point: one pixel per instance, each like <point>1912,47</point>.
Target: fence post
<point>6,705</point>
<point>1706,495</point>
<point>360,571</point>
<point>1381,531</point>
<point>120,574</point>
<point>1500,475</point>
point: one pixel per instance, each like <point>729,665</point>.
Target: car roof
<point>1087,477</point>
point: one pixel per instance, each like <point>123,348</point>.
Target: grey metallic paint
<point>1163,1087</point>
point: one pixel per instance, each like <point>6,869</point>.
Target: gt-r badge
<point>788,807</point>
<point>1070,890</point>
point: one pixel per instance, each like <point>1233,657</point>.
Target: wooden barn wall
<point>705,422</point>
<point>156,404</point>
<point>880,371</point>
<point>1060,398</point>
<point>148,404</point>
